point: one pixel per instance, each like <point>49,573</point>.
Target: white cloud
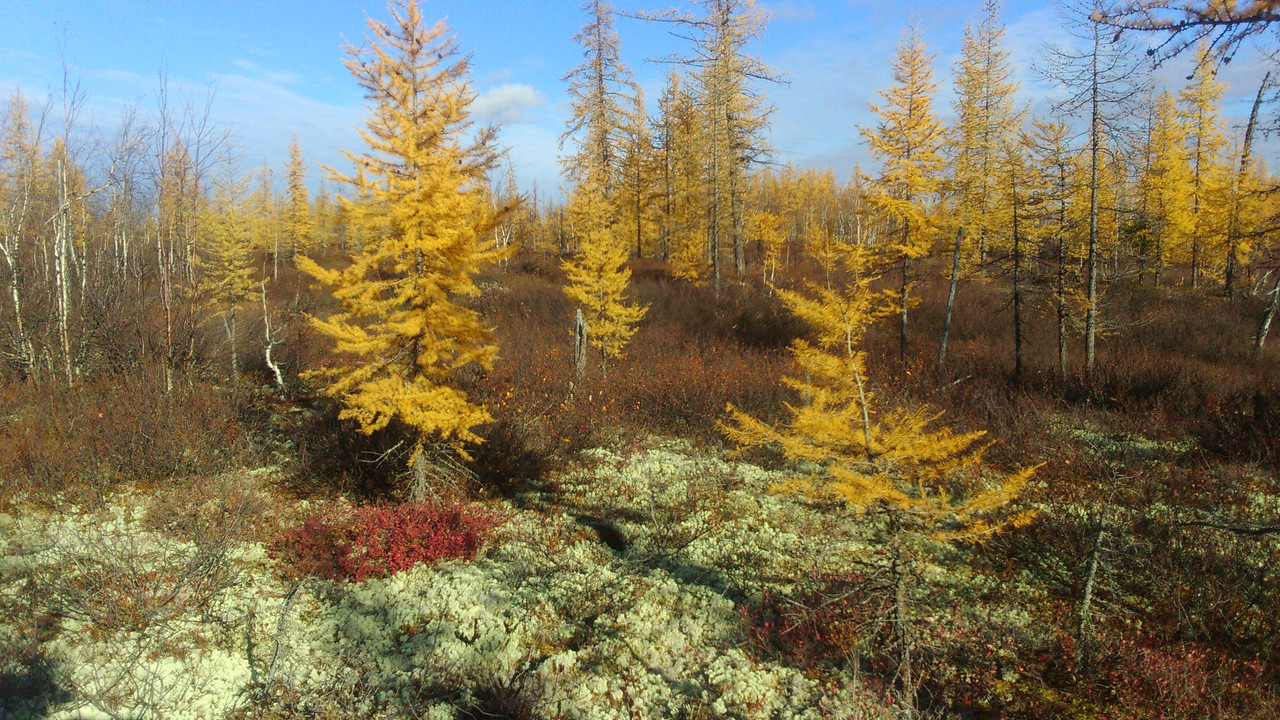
<point>263,114</point>
<point>508,104</point>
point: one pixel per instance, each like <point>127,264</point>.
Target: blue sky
<point>275,66</point>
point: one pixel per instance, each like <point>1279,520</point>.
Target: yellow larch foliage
<point>986,119</point>
<point>735,117</point>
<point>683,152</point>
<point>766,229</point>
<point>821,245</point>
<point>265,215</point>
<point>887,460</point>
<point>401,332</point>
<point>1060,169</point>
<point>1200,115</point>
<point>598,276</point>
<point>908,142</point>
<point>925,484</point>
<point>326,223</point>
<point>597,90</point>
<point>299,224</point>
<point>1165,186</point>
<point>637,192</point>
<point>228,263</point>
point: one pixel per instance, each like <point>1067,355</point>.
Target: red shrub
<point>826,622</point>
<point>380,540</point>
<point>1148,680</point>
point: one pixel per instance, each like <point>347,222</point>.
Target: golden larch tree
<point>766,229</point>
<point>402,330</point>
<point>735,114</point>
<point>228,264</point>
<point>1059,168</point>
<point>682,149</point>
<point>919,485</point>
<point>1199,110</point>
<point>597,274</point>
<point>1165,185</point>
<point>637,191</point>
<point>1245,198</point>
<point>598,89</point>
<point>299,223</point>
<point>907,140</point>
<point>265,211</point>
<point>598,277</point>
<point>986,119</point>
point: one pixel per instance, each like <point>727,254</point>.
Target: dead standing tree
<point>1103,76</point>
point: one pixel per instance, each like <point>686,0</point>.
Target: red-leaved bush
<point>379,540</point>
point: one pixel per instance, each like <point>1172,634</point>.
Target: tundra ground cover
<point>621,598</point>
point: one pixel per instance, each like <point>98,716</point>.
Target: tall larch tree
<point>734,114</point>
<point>1020,231</point>
<point>1245,193</point>
<point>682,151</point>
<point>1165,185</point>
<point>1199,110</point>
<point>266,218</point>
<point>908,142</point>
<point>600,89</point>
<point>402,331</point>
<point>985,120</point>
<point>637,190</point>
<point>299,222</point>
<point>597,273</point>
<point>326,230</point>
<point>228,262</point>
<point>736,117</point>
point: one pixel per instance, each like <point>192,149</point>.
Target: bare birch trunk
<point>1264,326</point>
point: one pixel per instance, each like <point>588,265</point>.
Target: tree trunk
<point>906,289</point>
<point>951,297</point>
<point>1159,263</point>
<point>1017,292</point>
<point>229,324</point>
<point>579,347</point>
<point>62,270</point>
<point>1095,138</point>
<point>270,341</point>
<point>715,199</point>
<point>735,217</point>
<point>902,627</point>
<point>1086,602</point>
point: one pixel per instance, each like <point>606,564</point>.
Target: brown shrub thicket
<point>58,443</point>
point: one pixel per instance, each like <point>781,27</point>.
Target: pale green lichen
<point>577,627</point>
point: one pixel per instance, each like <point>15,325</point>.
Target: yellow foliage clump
<point>598,277</point>
<point>867,457</point>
